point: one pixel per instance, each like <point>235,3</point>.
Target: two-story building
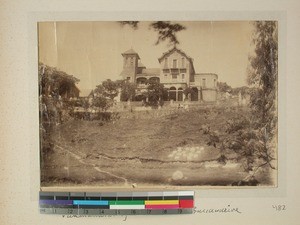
<point>176,73</point>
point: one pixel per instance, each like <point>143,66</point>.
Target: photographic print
<point>133,104</point>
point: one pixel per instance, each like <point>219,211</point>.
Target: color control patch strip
<point>124,203</point>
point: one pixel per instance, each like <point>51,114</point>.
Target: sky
<point>91,51</point>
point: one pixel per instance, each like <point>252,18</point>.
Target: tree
<point>155,93</point>
<point>102,102</point>
<point>252,136</point>
<point>55,82</point>
<point>108,89</point>
<point>104,94</point>
<point>243,90</point>
<point>165,29</point>
<point>189,92</point>
<point>127,90</point>
<point>262,75</point>
<point>224,87</point>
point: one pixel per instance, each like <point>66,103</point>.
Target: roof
<point>140,64</point>
<point>173,50</point>
<point>150,72</point>
<point>85,92</point>
<point>126,72</point>
<point>201,74</point>
<point>130,52</point>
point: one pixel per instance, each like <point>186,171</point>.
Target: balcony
<point>174,71</point>
<point>178,70</point>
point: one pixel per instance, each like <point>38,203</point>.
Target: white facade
<point>176,72</point>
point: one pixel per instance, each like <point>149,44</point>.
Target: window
<point>166,62</point>
<point>174,63</point>
<point>131,61</point>
<point>203,82</point>
<point>128,78</point>
<point>182,63</point>
<point>174,76</point>
<point>182,76</point>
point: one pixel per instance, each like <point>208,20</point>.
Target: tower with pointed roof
<point>130,65</point>
<point>176,73</point>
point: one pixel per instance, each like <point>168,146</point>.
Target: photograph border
<point>207,191</point>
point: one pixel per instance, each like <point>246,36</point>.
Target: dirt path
<point>81,160</point>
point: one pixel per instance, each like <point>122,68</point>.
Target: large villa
<point>176,72</point>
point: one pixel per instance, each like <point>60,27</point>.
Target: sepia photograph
<point>146,104</point>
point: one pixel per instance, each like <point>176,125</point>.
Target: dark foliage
<point>155,93</point>
<point>133,24</point>
<point>166,30</point>
<point>223,87</point>
<point>127,90</point>
<point>263,74</point>
<point>56,83</point>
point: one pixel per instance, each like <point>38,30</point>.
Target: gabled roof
<point>130,52</point>
<point>173,50</point>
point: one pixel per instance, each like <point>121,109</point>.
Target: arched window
<point>172,93</point>
<point>174,63</point>
<point>141,80</point>
<point>180,94</point>
<point>194,94</point>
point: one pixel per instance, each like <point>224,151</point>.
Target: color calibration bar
<point>123,203</point>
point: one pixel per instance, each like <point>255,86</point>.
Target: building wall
<point>206,80</point>
<point>175,75</point>
<point>209,95</point>
<point>168,69</point>
<point>130,65</point>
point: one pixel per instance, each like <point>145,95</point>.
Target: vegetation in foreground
<point>137,147</point>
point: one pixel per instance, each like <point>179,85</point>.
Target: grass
<point>136,149</point>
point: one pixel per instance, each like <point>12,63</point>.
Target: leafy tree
<point>251,136</point>
<point>127,90</point>
<point>224,87</point>
<point>55,82</point>
<point>189,92</point>
<point>165,29</point>
<point>263,73</point>
<point>108,89</point>
<point>104,94</point>
<point>243,90</point>
<point>133,24</point>
<point>102,102</point>
<point>155,93</point>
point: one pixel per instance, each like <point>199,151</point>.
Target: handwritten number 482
<point>279,207</point>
